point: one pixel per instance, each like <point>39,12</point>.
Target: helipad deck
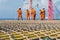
<point>29,29</point>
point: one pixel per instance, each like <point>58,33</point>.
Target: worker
<point>33,13</point>
<point>42,14</point>
<point>27,14</point>
<point>19,13</point>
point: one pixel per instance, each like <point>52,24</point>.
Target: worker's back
<point>33,11</point>
<point>19,12</point>
<point>27,12</point>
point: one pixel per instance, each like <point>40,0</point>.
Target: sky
<point>8,8</point>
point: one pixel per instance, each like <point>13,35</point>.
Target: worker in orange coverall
<point>33,14</point>
<point>19,13</point>
<point>42,14</point>
<point>27,14</point>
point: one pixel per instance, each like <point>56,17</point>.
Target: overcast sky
<point>8,8</point>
